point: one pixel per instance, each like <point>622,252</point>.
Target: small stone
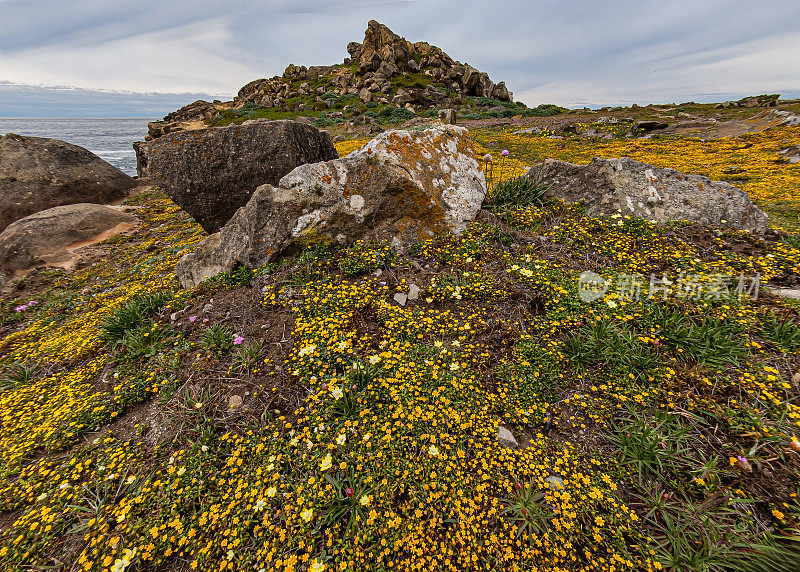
<point>796,380</point>
<point>506,438</point>
<point>401,298</point>
<point>235,402</point>
<point>378,272</point>
<point>555,483</point>
<point>413,292</point>
<point>175,315</point>
<point>207,308</point>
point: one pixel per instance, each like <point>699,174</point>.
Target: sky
<point>149,57</point>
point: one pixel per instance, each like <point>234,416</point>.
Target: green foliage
<point>145,340</point>
<point>711,342</point>
<point>515,193</point>
<point>653,444</point>
<point>784,332</point>
<point>241,276</point>
<point>361,257</point>
<point>18,373</point>
<point>527,509</point>
<point>391,114</point>
<point>613,344</point>
<point>246,358</point>
<point>773,554</point>
<point>350,501</point>
<point>132,315</point>
<point>217,339</point>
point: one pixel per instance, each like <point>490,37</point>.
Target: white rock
<point>401,298</point>
<point>413,292</point>
<point>506,437</point>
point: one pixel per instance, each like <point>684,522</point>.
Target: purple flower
<point>32,303</point>
<point>20,308</point>
<point>742,459</point>
<point>192,318</point>
<point>504,153</point>
<point>205,320</point>
<point>237,341</point>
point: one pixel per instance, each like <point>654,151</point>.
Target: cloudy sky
<point>570,52</point>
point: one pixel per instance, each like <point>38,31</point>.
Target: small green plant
<point>515,193</point>
<point>784,333</point>
<point>246,358</point>
<point>217,339</point>
<point>527,509</point>
<point>350,502</point>
<point>653,444</point>
<point>132,315</point>
<point>19,373</point>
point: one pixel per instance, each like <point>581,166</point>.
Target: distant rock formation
<point>49,237</point>
<point>608,186</point>
<point>212,172</point>
<point>402,187</point>
<point>432,79</point>
<point>770,100</point>
<point>38,173</point>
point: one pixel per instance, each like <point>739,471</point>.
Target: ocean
<point>109,138</point>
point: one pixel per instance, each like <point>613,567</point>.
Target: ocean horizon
<point>110,138</point>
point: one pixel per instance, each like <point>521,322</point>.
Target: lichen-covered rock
<point>212,172</point>
<point>608,186</point>
<point>38,173</point>
<point>402,187</point>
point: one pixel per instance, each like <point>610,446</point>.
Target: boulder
<point>402,187</point>
<point>212,172</point>
<point>38,173</point>
<point>608,186</point>
<point>447,116</point>
<point>50,237</point>
<point>648,126</point>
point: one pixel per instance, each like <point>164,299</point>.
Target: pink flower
<point>237,341</point>
<point>504,153</point>
<point>349,491</point>
<point>20,308</point>
<point>192,318</point>
<point>32,303</point>
<point>205,320</point>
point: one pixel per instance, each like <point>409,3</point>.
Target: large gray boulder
<point>402,187</point>
<point>212,172</point>
<point>37,173</point>
<point>608,186</point>
<point>51,237</point>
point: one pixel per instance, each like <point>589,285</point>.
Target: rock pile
<point>402,187</point>
<point>608,186</point>
<point>432,79</point>
<point>752,101</point>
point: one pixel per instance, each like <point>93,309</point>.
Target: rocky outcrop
<point>370,73</point>
<point>38,173</point>
<point>608,186</point>
<point>403,187</point>
<point>770,100</point>
<point>212,172</point>
<point>50,237</point>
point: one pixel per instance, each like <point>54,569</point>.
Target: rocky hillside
<point>386,79</point>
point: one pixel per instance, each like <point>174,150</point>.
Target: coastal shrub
<point>391,114</point>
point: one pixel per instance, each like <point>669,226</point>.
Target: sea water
<point>110,139</point>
